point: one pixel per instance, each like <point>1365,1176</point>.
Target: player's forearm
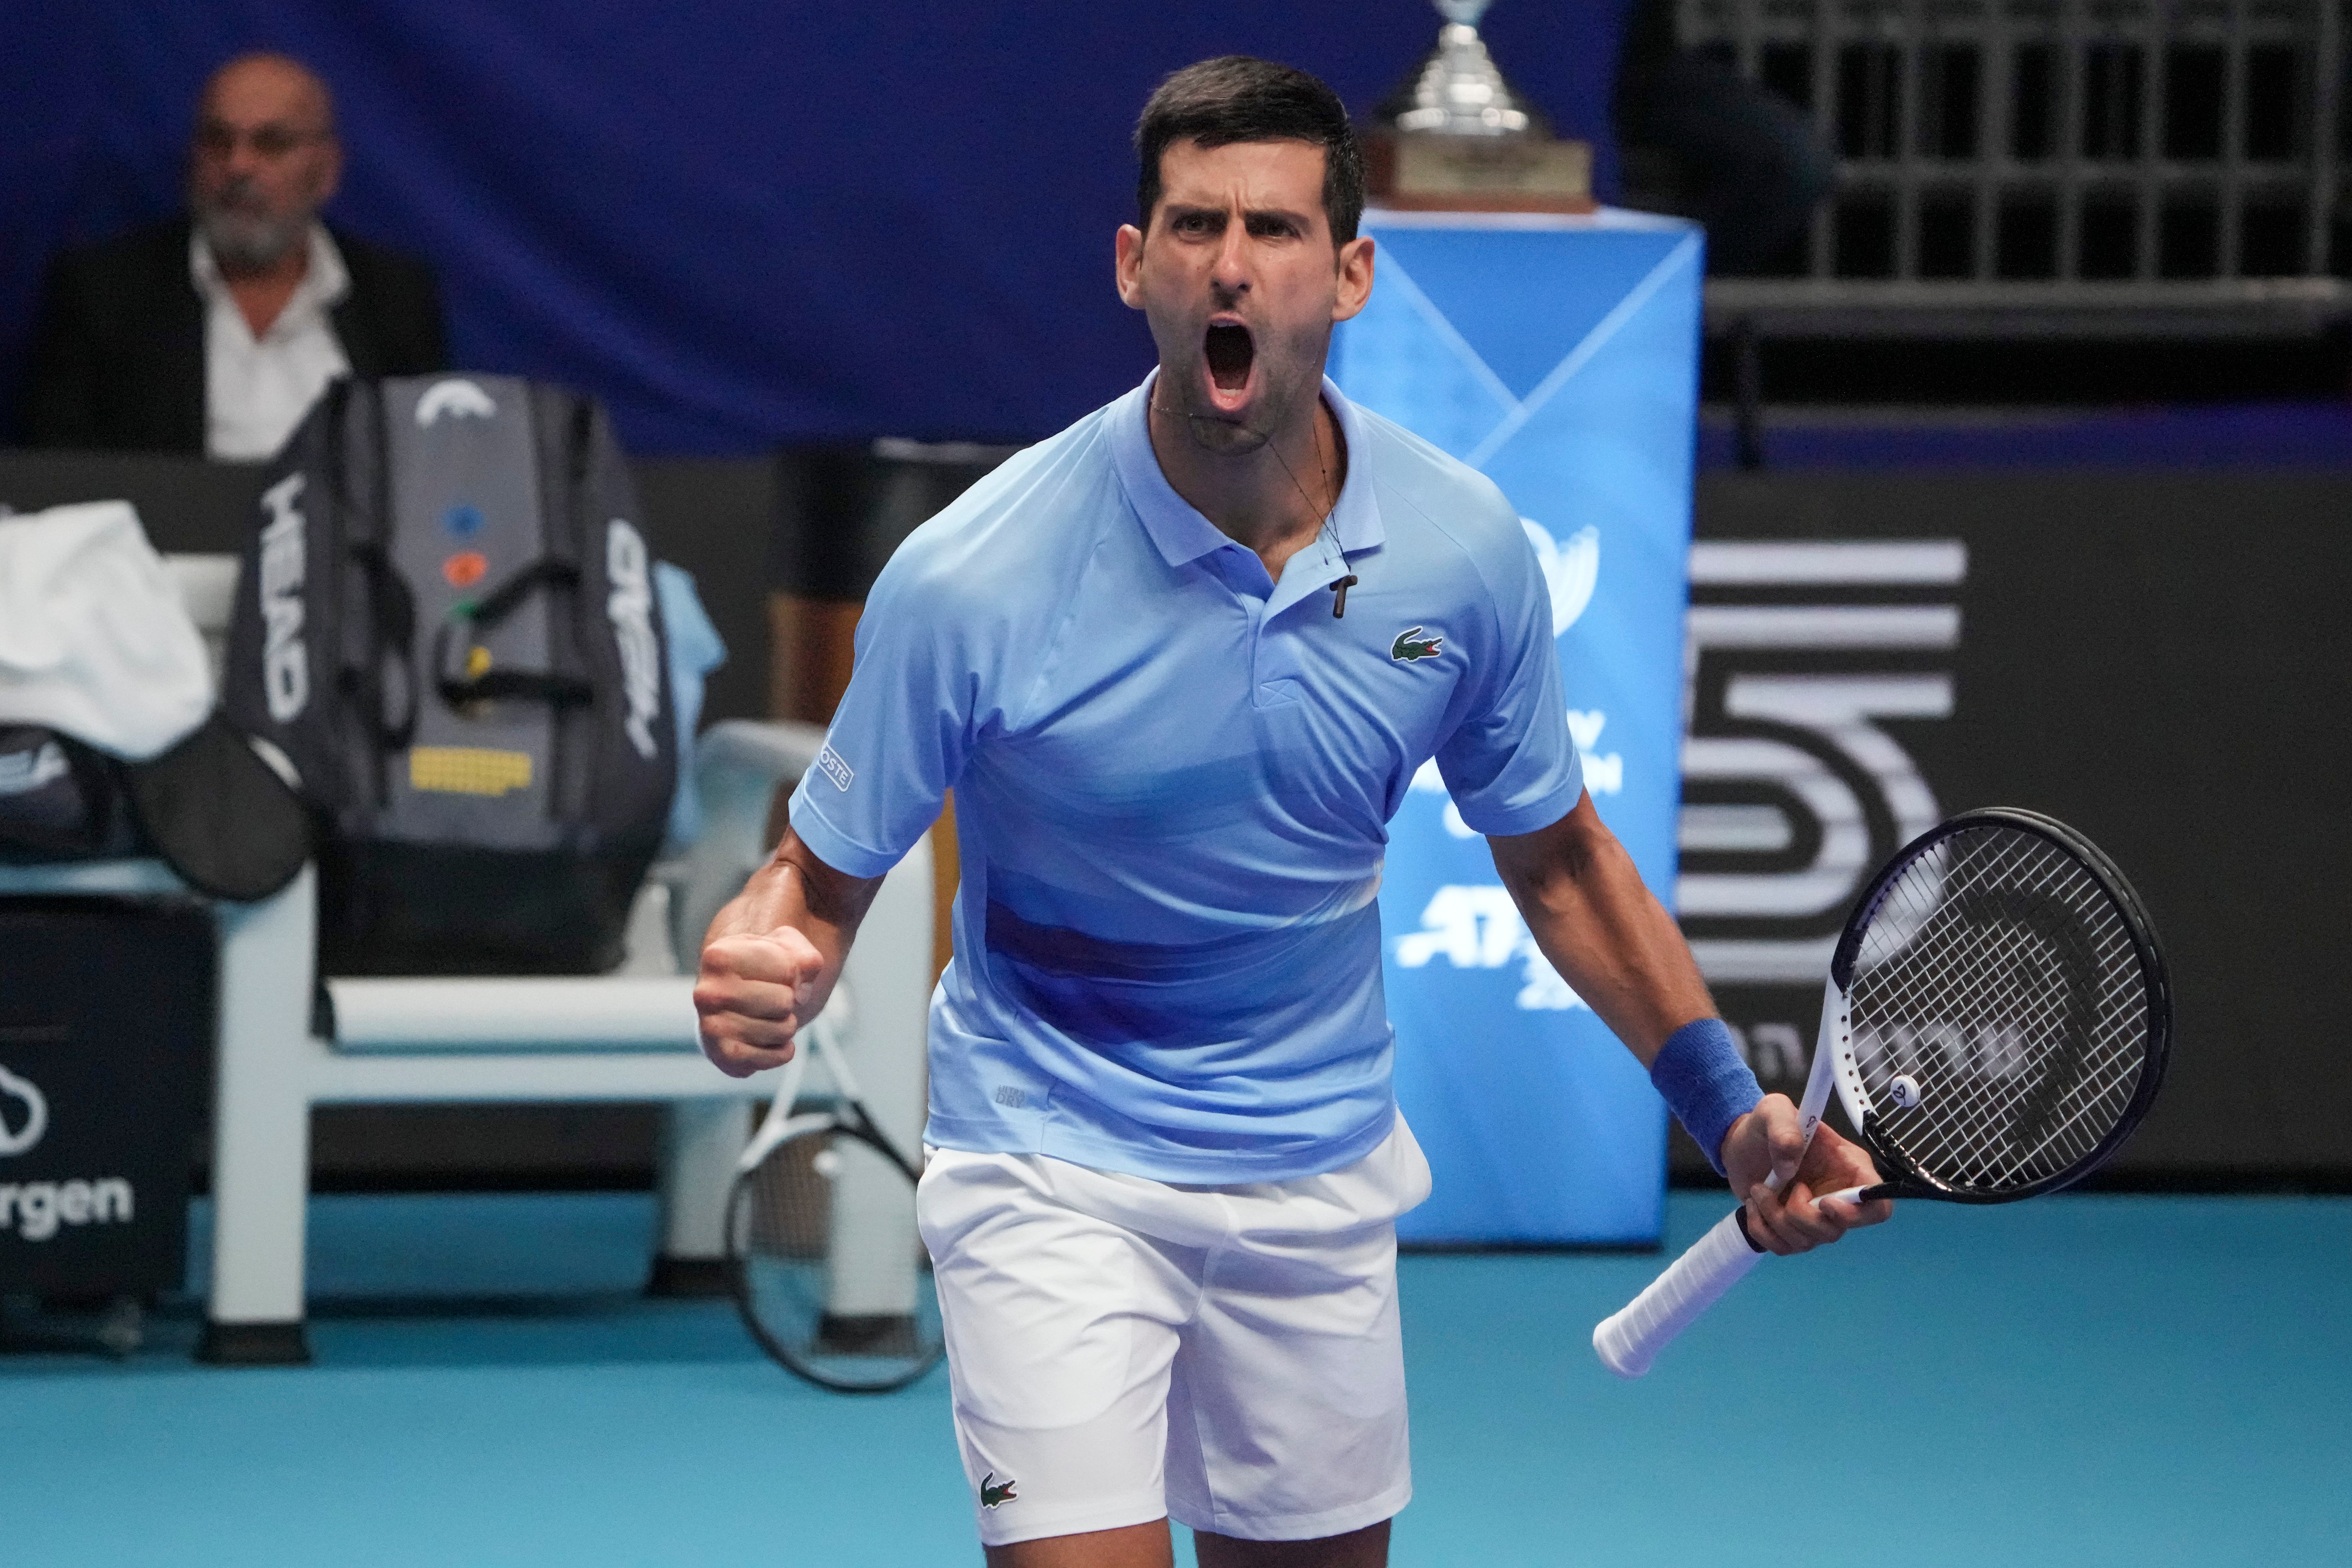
<point>1597,924</point>
<point>1622,952</point>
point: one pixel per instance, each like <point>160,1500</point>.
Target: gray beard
<point>248,242</point>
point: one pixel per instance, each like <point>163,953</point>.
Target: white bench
<point>625,1037</point>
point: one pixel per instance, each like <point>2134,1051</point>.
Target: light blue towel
<point>695,650</point>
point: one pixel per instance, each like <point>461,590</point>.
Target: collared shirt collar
<point>1177,527</point>
<point>325,280</point>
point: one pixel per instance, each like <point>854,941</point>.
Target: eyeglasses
<point>215,140</point>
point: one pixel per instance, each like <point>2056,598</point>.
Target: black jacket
<point>119,354</point>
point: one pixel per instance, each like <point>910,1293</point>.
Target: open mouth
<point>1229,353</point>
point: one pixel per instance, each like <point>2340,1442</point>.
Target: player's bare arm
<point>772,956</point>
<point>1611,939</point>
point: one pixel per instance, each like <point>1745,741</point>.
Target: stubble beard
<point>1227,435</point>
<point>244,240</point>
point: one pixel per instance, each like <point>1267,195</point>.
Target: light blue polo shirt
<point>1172,781</point>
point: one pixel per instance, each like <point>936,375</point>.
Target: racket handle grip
<point>1630,1340</point>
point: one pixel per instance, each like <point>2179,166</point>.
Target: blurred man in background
<point>1700,140</point>
<point>216,331</point>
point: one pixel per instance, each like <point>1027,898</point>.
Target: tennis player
<point>1178,664</point>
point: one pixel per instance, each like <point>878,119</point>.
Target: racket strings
<point>1980,1124</point>
<point>2051,1103</point>
<point>1998,977</point>
<point>787,1216</point>
<point>1989,1135</point>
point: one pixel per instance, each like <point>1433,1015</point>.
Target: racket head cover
<point>2010,1016</point>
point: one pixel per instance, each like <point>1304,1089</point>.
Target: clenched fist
<point>753,995</point>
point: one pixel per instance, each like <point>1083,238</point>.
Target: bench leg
<point>261,1130</point>
<point>700,1140</point>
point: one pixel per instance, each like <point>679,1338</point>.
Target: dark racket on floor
<point>828,1268</point>
<point>1996,1023</point>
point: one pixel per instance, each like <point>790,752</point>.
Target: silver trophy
<point>1458,90</point>
<point>1455,135</point>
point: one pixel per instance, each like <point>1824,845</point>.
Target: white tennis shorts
<point>1122,1350</point>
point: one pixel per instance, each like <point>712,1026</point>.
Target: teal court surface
<point>2084,1380</point>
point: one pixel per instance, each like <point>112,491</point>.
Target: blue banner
<point>1561,358</point>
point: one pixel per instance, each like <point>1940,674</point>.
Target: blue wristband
<point>1699,1075</point>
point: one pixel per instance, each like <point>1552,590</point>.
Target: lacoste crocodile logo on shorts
<point>829,763</point>
<point>994,1495</point>
<point>1411,645</point>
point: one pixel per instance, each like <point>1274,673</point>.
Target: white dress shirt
<point>257,389</point>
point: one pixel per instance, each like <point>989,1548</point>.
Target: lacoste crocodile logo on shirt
<point>992,1494</point>
<point>1411,645</point>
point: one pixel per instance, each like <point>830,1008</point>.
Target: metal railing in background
<point>2054,167</point>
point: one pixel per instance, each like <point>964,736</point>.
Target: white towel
<point>94,641</point>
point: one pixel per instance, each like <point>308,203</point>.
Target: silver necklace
<point>1339,586</point>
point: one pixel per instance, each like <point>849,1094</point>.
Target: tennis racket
<point>1996,1023</point>
<point>826,1264</point>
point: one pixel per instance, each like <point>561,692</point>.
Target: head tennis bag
<point>447,622</point>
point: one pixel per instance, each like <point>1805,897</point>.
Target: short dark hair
<point>1235,97</point>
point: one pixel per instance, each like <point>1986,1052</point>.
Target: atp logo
<point>456,398</point>
<point>1476,927</point>
<point>21,1139</point>
<point>1571,570</point>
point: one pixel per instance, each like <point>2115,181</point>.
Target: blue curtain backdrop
<point>737,222</point>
